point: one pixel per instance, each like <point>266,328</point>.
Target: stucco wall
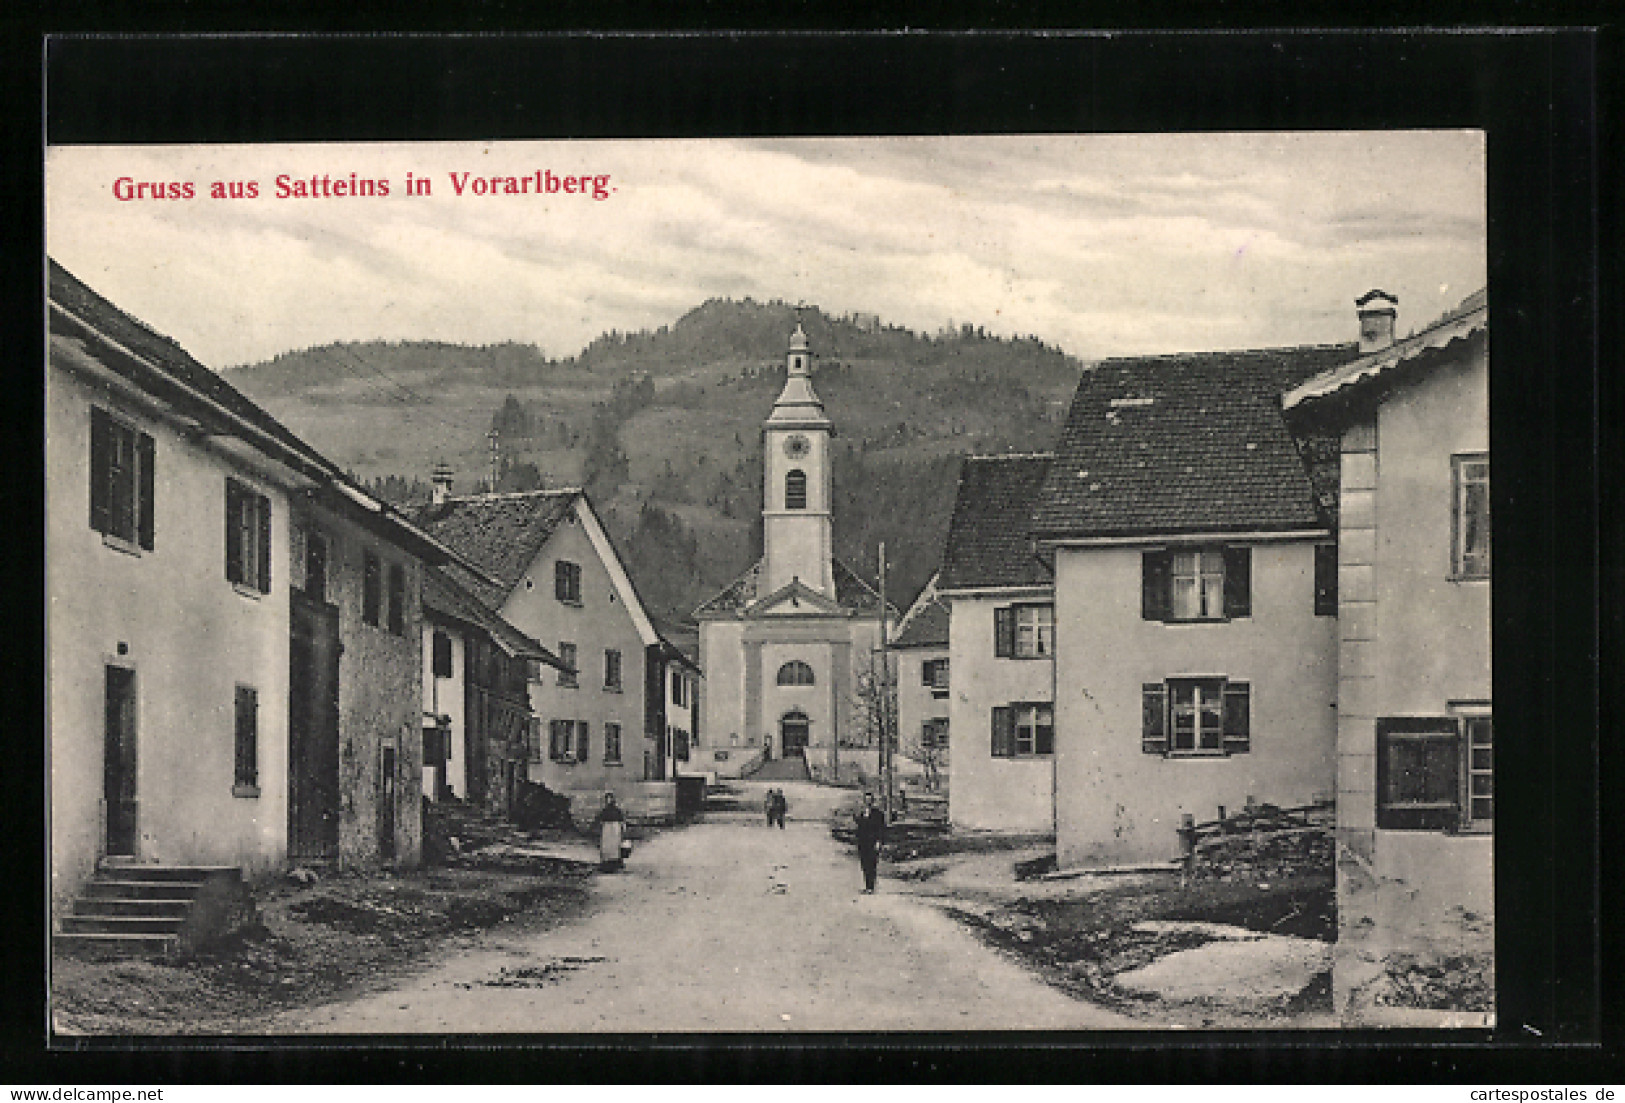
<point>448,697</point>
<point>190,636</point>
<point>721,697</point>
<point>1006,794</point>
<point>1118,804</point>
<point>601,621</point>
<point>1414,639</point>
<point>915,702</point>
<point>380,695</point>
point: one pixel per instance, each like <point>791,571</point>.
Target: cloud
<point>1103,244</point>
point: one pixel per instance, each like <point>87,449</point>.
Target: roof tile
<point>987,535</point>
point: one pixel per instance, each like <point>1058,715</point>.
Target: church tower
<point>796,500</point>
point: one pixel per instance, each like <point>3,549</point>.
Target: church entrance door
<point>793,733</point>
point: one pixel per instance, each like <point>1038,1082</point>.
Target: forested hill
<point>663,428</point>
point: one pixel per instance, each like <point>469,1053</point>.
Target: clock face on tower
<point>796,447</point>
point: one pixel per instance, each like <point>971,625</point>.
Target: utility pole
<point>493,436</point>
<point>884,689</point>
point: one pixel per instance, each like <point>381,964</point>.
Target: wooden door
<point>119,762</point>
<point>313,731</point>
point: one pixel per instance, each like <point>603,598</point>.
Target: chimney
<point>442,482</point>
<point>1377,310</point>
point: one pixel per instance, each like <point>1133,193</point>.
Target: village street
<point>725,925</point>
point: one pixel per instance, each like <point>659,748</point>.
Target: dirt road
<point>725,925</point>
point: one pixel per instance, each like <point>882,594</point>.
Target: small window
<point>1325,580</point>
<point>795,490</point>
<point>567,655</point>
<point>795,673</point>
<point>612,744</point>
<point>248,537</point>
<point>397,599</point>
<point>1196,716</point>
<point>1196,584</point>
<point>679,696</point>
<point>934,733</point>
<point>1023,730</point>
<point>371,587</point>
<point>561,740</point>
<point>1024,631</point>
<point>1436,773</point>
<point>1470,516</point>
<point>442,654</point>
<point>247,770</point>
<point>612,669</point>
<point>121,480</point>
<point>934,673</point>
<point>316,566</point>
<point>567,582</point>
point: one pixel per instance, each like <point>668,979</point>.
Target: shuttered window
<point>121,480</point>
<point>567,582</point>
<point>612,744</point>
<point>397,599</point>
<point>1195,716</point>
<point>1024,631</point>
<point>371,587</point>
<point>1023,730</point>
<point>1470,516</point>
<point>442,655</point>
<point>583,741</point>
<point>1325,580</point>
<point>1188,584</point>
<point>246,741</point>
<point>248,537</point>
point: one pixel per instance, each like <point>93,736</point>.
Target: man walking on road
<point>871,829</point>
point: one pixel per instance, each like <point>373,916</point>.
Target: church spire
<point>798,402</point>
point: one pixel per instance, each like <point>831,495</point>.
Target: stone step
<point>100,945</point>
<point>121,924</point>
<point>143,871</point>
<point>134,906</point>
<point>104,888</point>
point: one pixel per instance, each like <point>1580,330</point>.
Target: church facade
<point>789,646</point>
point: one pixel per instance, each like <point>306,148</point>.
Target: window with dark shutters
<point>121,480</point>
<point>442,655</point>
<point>1418,773</point>
<point>371,587</point>
<point>1156,573</point>
<point>247,770</point>
<point>1325,580</point>
<point>397,599</point>
<point>248,537</point>
<point>1237,718</point>
<point>583,741</point>
<point>1004,632</point>
<point>1004,732</point>
<point>1154,718</point>
<point>234,532</point>
<point>567,582</point>
<point>1238,582</point>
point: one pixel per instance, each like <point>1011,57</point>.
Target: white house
<point>1001,650</point>
<point>1194,639</point>
<point>559,580</point>
<point>200,563</point>
<point>1415,775</point>
<point>924,684</point>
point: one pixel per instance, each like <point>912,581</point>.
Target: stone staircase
<point>140,910</point>
<point>789,768</point>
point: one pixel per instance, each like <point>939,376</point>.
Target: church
<point>788,646</point>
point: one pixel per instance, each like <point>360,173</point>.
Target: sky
<point>1103,245</point>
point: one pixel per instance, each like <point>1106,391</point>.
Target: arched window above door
<point>795,673</point>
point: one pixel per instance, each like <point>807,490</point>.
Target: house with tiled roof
<point>1001,649</point>
<point>1194,634</point>
<point>1415,778</point>
<point>553,573</point>
<point>787,645</point>
<point>233,625</point>
<point>921,653</point>
<point>477,719</point>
